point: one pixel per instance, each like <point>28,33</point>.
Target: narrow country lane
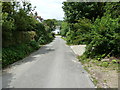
<point>52,66</point>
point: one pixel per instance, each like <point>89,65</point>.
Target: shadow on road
<point>7,76</point>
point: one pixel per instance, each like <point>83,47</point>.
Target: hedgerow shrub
<point>43,36</point>
<point>17,52</point>
<point>64,28</point>
<point>70,36</point>
<point>22,33</point>
<point>106,38</point>
<point>95,24</point>
<point>34,44</point>
<point>80,32</point>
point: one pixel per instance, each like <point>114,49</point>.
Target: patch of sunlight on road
<point>75,61</point>
<point>35,56</point>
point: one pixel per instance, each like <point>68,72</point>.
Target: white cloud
<point>49,9</point>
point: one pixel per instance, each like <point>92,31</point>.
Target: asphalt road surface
<point>52,66</point>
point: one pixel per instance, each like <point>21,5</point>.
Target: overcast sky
<point>49,9</point>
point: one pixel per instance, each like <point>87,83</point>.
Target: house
<point>57,30</point>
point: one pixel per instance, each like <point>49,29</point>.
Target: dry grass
<point>102,77</point>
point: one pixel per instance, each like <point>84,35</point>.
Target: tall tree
<point>50,24</point>
<point>76,10</point>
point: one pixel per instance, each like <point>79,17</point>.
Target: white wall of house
<point>57,30</point>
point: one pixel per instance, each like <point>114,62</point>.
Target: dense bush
<point>64,28</point>
<point>80,33</point>
<point>50,24</point>
<point>106,38</point>
<point>22,33</point>
<point>7,27</point>
<point>17,52</point>
<point>77,10</point>
<point>23,22</point>
<point>99,29</point>
<point>70,35</point>
<point>45,39</point>
<point>34,44</point>
<point>15,18</point>
<point>43,35</point>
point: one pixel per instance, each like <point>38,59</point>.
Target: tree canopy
<point>95,24</point>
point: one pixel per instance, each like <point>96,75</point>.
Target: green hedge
<point>106,38</point>
<point>17,37</point>
<point>15,53</point>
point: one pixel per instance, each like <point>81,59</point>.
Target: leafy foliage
<point>34,44</point>
<point>43,35</point>
<point>22,33</point>
<point>106,38</point>
<point>15,53</point>
<point>50,24</point>
<point>64,28</point>
<point>97,28</point>
<point>74,10</point>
